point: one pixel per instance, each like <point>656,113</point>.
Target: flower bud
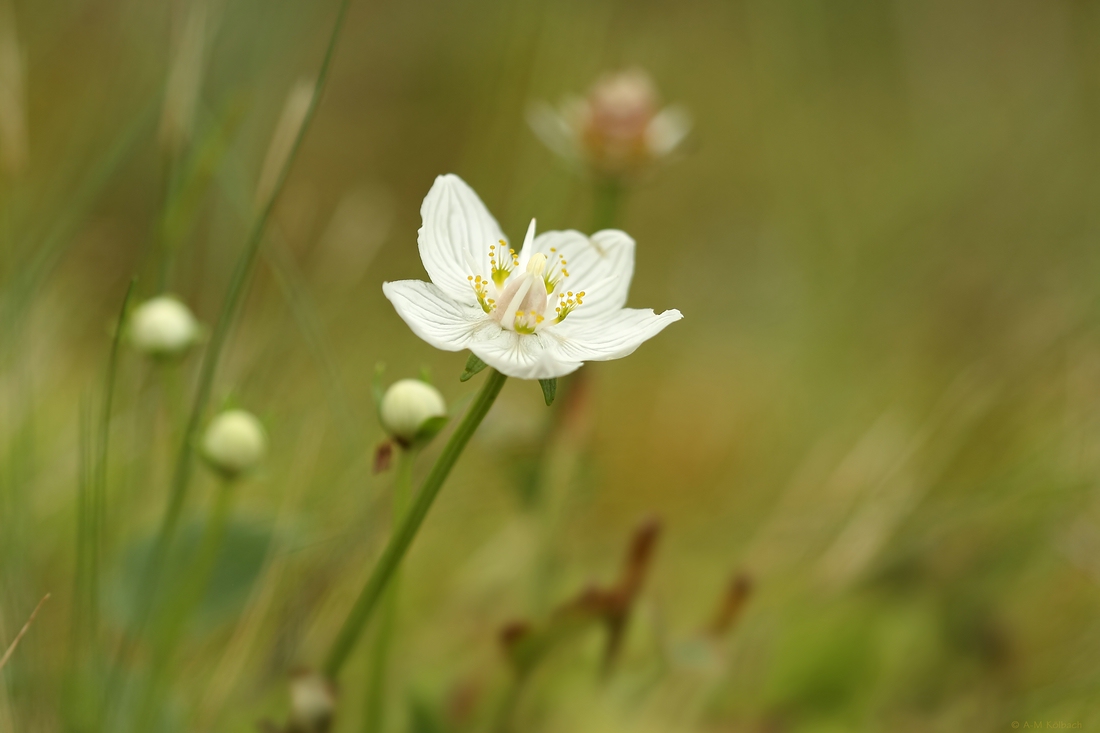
<point>407,405</point>
<point>234,442</point>
<point>163,327</point>
<point>312,703</point>
<point>617,130</point>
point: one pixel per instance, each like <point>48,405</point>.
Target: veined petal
<point>455,236</point>
<point>601,265</point>
<point>524,356</point>
<point>609,338</point>
<point>433,315</point>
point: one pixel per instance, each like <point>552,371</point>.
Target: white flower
<point>234,442</point>
<point>163,326</point>
<point>536,314</point>
<point>618,129</point>
<point>407,405</point>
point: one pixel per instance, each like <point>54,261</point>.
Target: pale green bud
<point>312,703</point>
<point>234,442</point>
<point>163,327</point>
<point>407,405</point>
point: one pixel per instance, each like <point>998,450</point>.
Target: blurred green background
<point>883,403</point>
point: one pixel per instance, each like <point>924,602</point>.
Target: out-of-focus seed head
<point>163,327</point>
<point>407,405</point>
<point>234,442</point>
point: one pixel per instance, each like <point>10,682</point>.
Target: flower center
<point>523,302</point>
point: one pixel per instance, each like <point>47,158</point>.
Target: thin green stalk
<point>374,715</point>
<point>92,509</point>
<point>606,201</point>
<point>189,597</point>
<point>99,487</point>
<point>399,543</point>
<point>170,185</point>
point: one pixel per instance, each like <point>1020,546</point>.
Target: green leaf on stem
<point>549,389</point>
<point>473,366</point>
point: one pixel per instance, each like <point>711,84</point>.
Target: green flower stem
<point>403,537</point>
<point>189,597</point>
<point>606,200</point>
<point>374,717</point>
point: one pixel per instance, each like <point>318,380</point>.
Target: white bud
<point>235,441</point>
<point>163,326</point>
<point>312,702</point>
<point>407,405</point>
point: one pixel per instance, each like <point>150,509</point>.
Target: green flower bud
<point>234,442</point>
<point>407,405</point>
<point>163,327</point>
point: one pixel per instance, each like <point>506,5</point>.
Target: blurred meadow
<point>881,412</point>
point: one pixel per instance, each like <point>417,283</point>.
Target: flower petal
<point>613,337</point>
<point>455,236</point>
<point>553,129</point>
<point>524,356</point>
<point>601,265</point>
<point>667,130</point>
<point>433,315</point>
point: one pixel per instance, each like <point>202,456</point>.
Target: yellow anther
<point>499,267</point>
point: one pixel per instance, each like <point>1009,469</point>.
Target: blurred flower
<point>516,311</point>
<point>618,130</point>
<point>312,703</point>
<point>162,327</point>
<point>234,442</point>
<point>407,405</point>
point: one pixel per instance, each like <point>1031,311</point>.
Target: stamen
<point>502,263</point>
<point>567,303</point>
<point>481,289</point>
<point>555,271</point>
